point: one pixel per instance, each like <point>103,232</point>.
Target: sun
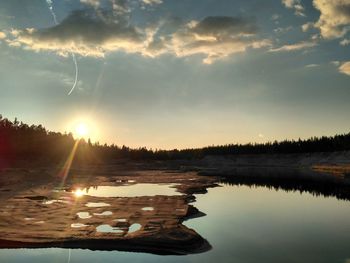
<point>83,127</point>
<point>82,130</point>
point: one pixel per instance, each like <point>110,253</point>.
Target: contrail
<point>49,3</point>
<point>76,74</point>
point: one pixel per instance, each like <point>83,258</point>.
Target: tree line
<point>20,141</point>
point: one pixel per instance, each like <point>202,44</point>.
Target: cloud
<point>307,26</point>
<point>83,34</point>
<point>118,4</point>
<point>335,63</point>
<point>275,17</point>
<point>296,5</point>
<point>345,42</point>
<point>217,38</point>
<point>280,30</point>
<point>119,7</point>
<point>92,33</point>
<point>345,68</point>
<point>334,19</point>
<point>2,35</point>
<point>94,3</point>
<point>296,46</point>
<point>312,66</point>
<point>152,2</point>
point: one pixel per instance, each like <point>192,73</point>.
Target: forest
<point>23,142</point>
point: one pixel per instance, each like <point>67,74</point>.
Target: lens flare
<point>50,5</point>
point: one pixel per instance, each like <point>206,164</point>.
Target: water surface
<point>130,190</point>
<point>243,225</point>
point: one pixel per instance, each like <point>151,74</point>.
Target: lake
<point>242,224</point>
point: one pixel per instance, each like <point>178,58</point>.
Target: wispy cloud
<point>275,17</point>
<point>345,68</point>
<point>94,3</point>
<point>312,66</point>
<point>119,4</point>
<point>283,29</point>
<point>307,26</point>
<point>295,5</point>
<point>345,42</point>
<point>152,2</point>
<point>294,47</point>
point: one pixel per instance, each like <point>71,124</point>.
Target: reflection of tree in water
<point>317,184</point>
<point>87,188</point>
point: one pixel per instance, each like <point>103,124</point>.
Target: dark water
<point>243,225</point>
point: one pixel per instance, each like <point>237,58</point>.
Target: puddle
<point>125,181</point>
<point>108,229</point>
<point>77,225</point>
<point>40,222</point>
<point>134,227</point>
<point>84,215</point>
<point>105,213</point>
<point>97,204</point>
<point>50,202</point>
<point>29,218</point>
<point>59,190</point>
<point>147,209</point>
<point>133,190</point>
<point>123,220</point>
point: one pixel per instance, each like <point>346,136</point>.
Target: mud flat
<point>74,213</point>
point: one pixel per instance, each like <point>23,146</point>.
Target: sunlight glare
<point>78,192</point>
<point>82,130</point>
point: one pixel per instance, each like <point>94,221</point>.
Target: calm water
<point>132,190</point>
<point>243,225</point>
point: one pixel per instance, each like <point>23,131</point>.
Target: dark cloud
<point>225,26</point>
<point>82,26</point>
<point>84,32</point>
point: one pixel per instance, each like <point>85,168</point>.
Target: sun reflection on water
<point>78,192</point>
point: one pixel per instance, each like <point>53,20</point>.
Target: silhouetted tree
<point>19,141</point>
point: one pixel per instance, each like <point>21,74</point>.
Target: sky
<point>178,74</point>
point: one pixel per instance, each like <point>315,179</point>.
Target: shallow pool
<point>131,190</point>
